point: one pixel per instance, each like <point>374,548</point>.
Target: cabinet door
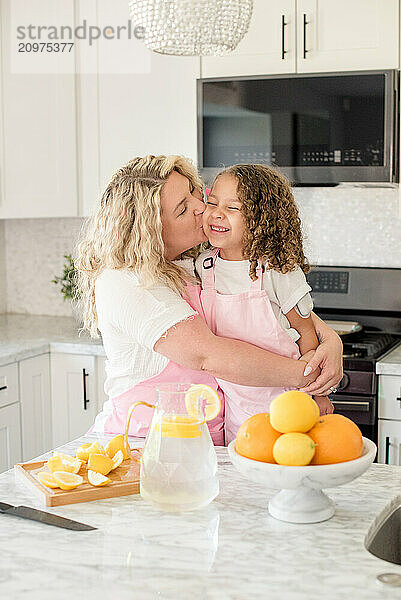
<point>347,36</point>
<point>390,397</point>
<point>73,393</point>
<point>34,376</point>
<point>10,436</point>
<point>102,397</point>
<point>9,392</point>
<point>38,169</point>
<point>389,451</point>
<point>268,47</point>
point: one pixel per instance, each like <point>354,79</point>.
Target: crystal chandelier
<point>192,27</point>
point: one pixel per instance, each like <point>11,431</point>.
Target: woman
<point>131,286</point>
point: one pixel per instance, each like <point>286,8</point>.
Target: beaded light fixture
<point>192,27</point>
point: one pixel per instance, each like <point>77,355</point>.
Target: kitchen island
<point>232,549</point>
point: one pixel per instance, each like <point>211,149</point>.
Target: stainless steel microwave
<point>319,129</point>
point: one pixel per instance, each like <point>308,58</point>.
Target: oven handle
<point>363,406</point>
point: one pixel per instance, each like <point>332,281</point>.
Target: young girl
<point>253,281</point>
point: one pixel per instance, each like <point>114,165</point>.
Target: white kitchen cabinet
<point>347,35</point>
<point>321,36</point>
<point>36,418</point>
<point>102,397</point>
<point>38,159</point>
<point>9,392</point>
<point>390,397</point>
<point>268,47</point>
<point>73,393</point>
<point>10,436</point>
<point>389,451</point>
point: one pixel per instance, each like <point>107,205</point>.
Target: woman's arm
<point>328,357</point>
<point>191,344</point>
<point>308,341</point>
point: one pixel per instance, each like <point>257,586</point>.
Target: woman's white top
<point>131,318</point>
<point>285,291</point>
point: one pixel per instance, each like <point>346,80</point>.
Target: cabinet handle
<point>3,387</point>
<point>305,24</point>
<point>86,400</point>
<point>398,399</point>
<point>283,26</point>
<point>386,460</point>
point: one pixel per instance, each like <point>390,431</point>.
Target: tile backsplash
<point>345,225</point>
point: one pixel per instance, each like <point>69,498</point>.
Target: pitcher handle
<point>131,408</point>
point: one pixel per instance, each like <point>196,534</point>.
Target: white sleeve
<point>143,314</point>
<point>199,264</point>
<point>292,291</point>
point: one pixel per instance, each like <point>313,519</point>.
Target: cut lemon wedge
<point>47,479</point>
<point>82,452</point>
<point>117,459</point>
<point>116,444</point>
<point>97,479</point>
<point>193,402</point>
<point>64,462</point>
<point>100,463</point>
<point>67,481</point>
<point>96,448</point>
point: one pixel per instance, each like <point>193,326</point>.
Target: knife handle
<point>4,507</point>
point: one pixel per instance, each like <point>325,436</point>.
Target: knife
<point>26,512</point>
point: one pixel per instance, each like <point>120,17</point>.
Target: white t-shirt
<point>285,291</point>
<point>131,318</point>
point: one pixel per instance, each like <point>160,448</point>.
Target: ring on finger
<point>333,389</point>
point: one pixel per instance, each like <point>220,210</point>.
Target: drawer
<point>390,397</point>
<point>9,392</point>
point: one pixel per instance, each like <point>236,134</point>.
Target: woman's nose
<point>199,207</point>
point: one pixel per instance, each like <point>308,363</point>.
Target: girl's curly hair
<point>272,223</point>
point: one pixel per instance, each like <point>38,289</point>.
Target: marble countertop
<point>390,364</point>
<point>230,550</point>
<point>24,336</point>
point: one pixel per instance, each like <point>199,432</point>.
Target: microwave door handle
<point>305,24</point>
<point>283,26</point>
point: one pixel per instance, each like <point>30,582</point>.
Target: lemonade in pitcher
<point>179,463</point>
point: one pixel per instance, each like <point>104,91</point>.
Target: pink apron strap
<point>208,266</point>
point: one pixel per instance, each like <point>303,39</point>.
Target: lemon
<point>100,463</point>
<point>64,462</point>
<point>47,479</point>
<point>179,426</point>
<point>116,444</point>
<point>197,393</point>
<point>294,449</point>
<point>117,459</point>
<point>293,411</point>
<point>96,448</point>
<point>97,479</point>
<point>82,452</point>
<point>67,481</point>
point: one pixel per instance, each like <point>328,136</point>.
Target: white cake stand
<point>301,499</point>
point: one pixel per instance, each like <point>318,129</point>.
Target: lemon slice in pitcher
<point>197,392</point>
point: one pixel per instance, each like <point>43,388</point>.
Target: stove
<point>372,297</point>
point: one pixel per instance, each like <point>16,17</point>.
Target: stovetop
<point>362,350</point>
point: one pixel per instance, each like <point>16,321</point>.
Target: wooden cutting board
<point>124,481</point>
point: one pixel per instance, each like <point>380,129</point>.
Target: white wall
<point>343,226</point>
<point>3,283</point>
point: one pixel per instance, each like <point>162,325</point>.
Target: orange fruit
<point>256,438</point>
<point>337,439</point>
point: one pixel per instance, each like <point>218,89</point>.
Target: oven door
<point>360,409</point>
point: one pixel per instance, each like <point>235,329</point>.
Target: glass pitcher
<point>179,462</point>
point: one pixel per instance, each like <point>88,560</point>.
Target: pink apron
<point>173,373</point>
<point>248,317</point>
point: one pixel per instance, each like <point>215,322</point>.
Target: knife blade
<point>26,512</point>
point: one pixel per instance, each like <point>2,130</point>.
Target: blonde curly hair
<point>125,232</point>
<point>272,224</point>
